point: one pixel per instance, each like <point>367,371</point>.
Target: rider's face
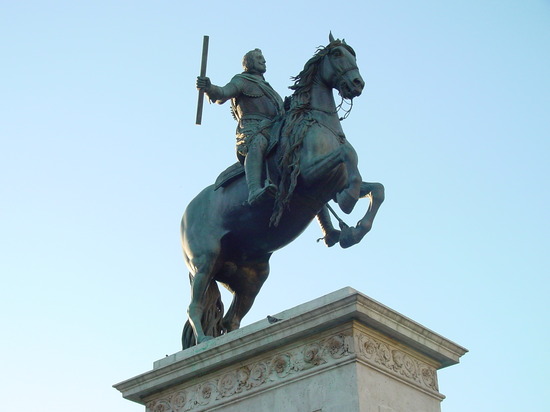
<point>258,63</point>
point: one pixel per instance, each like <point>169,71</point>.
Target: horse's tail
<point>211,318</point>
<point>187,337</point>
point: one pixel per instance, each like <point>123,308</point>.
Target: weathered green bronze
<point>256,107</point>
<point>228,235</point>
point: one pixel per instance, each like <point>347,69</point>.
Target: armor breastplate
<point>256,98</point>
<point>260,105</point>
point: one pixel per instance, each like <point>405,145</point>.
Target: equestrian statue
<point>293,159</point>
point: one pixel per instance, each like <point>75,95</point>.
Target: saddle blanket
<point>228,175</point>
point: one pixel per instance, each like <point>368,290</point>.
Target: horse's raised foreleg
<point>353,235</point>
<point>249,279</point>
<point>348,197</point>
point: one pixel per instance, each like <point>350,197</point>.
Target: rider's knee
<point>261,142</point>
<point>258,141</point>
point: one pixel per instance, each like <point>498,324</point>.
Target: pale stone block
<point>343,352</point>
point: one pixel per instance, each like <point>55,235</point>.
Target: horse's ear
<point>330,37</point>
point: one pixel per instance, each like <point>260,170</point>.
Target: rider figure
<point>255,106</point>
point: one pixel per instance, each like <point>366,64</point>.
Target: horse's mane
<point>304,80</point>
<point>298,121</point>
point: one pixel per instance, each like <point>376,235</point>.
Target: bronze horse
<point>228,241</point>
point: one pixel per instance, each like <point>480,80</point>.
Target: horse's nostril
<point>359,83</point>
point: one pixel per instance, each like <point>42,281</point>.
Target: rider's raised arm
<point>220,95</point>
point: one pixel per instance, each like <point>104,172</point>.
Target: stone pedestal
<point>343,352</point>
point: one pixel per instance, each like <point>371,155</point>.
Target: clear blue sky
<point>99,156</point>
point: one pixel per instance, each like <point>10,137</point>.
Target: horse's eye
<point>337,53</point>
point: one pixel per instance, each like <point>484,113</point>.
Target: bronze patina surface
<point>229,232</point>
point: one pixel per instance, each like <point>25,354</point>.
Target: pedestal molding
<point>269,372</point>
<point>313,342</point>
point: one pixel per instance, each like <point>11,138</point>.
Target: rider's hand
<point>203,83</point>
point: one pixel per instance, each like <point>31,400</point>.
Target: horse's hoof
<point>349,237</point>
<point>230,326</point>
<point>332,238</point>
<point>204,339</point>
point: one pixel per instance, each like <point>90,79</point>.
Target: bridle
<point>339,79</point>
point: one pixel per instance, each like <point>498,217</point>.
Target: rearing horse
<point>228,241</point>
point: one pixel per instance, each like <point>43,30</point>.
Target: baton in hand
<point>203,73</point>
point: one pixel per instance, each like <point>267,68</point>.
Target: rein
<point>338,108</point>
<point>339,74</point>
<point>346,112</point>
<point>340,136</point>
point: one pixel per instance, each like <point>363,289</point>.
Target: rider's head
<point>254,62</point>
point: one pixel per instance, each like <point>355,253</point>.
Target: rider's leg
<point>253,166</point>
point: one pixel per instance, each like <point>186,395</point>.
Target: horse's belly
<point>257,237</point>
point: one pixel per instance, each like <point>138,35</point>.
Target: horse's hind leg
<point>205,267</point>
<point>251,277</point>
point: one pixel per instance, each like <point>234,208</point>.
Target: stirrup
<point>260,195</point>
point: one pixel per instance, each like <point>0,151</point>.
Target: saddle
<point>229,175</point>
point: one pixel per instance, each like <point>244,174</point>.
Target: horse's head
<point>335,67</point>
<point>339,69</point>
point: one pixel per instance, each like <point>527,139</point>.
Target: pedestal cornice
<point>311,335</point>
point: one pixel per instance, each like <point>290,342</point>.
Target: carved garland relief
<point>393,360</point>
<point>248,378</point>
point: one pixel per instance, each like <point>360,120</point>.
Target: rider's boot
<point>253,165</point>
